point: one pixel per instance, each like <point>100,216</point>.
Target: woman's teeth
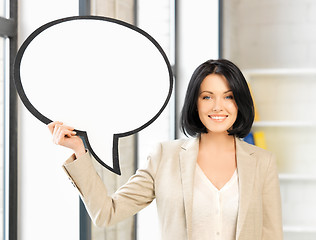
<point>218,117</point>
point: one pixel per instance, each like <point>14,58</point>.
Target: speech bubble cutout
<point>105,77</point>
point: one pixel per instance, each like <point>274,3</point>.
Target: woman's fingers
<point>52,125</point>
<point>64,135</point>
<point>60,132</point>
<point>63,132</point>
<point>56,134</point>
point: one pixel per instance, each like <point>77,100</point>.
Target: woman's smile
<point>218,118</point>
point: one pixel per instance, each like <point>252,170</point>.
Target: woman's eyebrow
<point>213,93</point>
<point>228,91</point>
<point>206,92</point>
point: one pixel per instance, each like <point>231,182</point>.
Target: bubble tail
<point>116,165</point>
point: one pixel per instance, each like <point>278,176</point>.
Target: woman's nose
<point>217,105</point>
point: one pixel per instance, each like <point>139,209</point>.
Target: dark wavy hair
<point>190,121</point>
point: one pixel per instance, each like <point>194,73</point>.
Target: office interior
<point>273,42</point>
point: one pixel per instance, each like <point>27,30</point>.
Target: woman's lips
<point>218,118</point>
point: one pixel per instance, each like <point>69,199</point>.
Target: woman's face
<point>216,104</point>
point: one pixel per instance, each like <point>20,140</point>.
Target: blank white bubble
<point>100,75</point>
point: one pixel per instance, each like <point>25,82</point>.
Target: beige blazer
<point>168,177</point>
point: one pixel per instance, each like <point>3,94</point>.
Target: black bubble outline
<point>83,134</point>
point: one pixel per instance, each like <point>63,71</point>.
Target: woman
<point>211,186</point>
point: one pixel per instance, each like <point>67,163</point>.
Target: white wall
<point>270,34</point>
<point>48,204</point>
<point>197,40</point>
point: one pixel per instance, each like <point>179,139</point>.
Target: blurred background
<point>272,41</point>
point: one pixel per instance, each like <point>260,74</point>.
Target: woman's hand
<point>66,136</point>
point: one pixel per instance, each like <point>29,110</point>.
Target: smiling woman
<point>231,83</point>
<point>240,193</point>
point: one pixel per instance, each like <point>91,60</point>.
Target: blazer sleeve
<point>272,213</point>
<point>106,210</point>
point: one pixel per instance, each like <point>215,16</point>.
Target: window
<point>2,8</point>
<point>2,56</point>
<point>8,122</point>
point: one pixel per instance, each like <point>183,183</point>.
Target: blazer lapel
<point>246,164</point>
<point>188,156</point>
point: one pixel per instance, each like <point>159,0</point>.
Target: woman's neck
<point>217,141</point>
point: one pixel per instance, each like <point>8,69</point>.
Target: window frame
<point>8,30</point>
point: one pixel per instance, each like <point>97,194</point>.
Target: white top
<point>214,214</point>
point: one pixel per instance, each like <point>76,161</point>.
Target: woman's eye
<point>229,97</point>
<point>206,97</point>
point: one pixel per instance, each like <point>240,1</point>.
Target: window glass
<point>2,9</point>
<point>2,89</point>
<point>156,18</point>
